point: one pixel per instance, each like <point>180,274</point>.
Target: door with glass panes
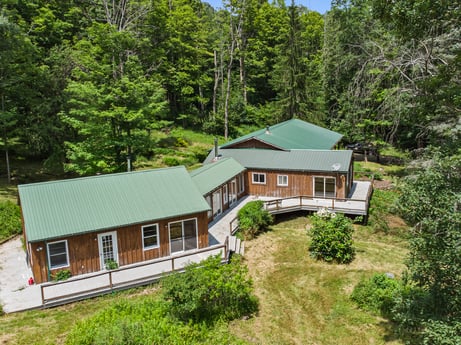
<point>108,252</point>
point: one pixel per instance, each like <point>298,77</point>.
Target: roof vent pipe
<point>268,131</point>
<point>215,147</point>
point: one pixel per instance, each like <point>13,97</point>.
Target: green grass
<point>307,302</point>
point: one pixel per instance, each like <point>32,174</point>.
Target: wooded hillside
<point>84,84</point>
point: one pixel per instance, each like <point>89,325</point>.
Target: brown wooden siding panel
<point>299,183</point>
<point>84,251</point>
<point>253,144</point>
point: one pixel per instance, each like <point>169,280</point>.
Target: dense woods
<point>84,84</point>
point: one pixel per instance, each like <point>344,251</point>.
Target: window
<point>259,178</point>
<point>183,235</point>
<point>57,254</point>
<point>282,180</point>
<point>325,187</point>
<point>217,203</point>
<point>150,236</point>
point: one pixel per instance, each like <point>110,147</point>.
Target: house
<point>83,224</point>
<point>281,174</point>
<point>289,135</point>
<point>221,184</point>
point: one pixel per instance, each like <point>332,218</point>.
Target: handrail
<point>110,286</point>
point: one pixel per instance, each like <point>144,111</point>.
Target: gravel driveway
<point>15,293</point>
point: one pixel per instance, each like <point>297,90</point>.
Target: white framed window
<point>150,237</point>
<point>58,255</point>
<point>282,180</point>
<point>324,187</point>
<point>258,178</point>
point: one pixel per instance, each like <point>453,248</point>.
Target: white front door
<point>107,243</point>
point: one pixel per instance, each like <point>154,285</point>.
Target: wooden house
<point>293,134</point>
<point>222,184</point>
<point>84,224</point>
<point>281,174</point>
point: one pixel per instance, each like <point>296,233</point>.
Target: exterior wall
<point>252,144</point>
<point>83,250</point>
<point>239,179</point>
<point>299,183</point>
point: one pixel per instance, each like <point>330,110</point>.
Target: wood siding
<point>83,249</point>
<point>253,144</point>
<point>240,178</point>
<point>299,183</point>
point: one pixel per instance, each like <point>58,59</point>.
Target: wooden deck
<point>356,204</point>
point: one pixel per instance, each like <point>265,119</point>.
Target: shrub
<point>171,161</point>
<point>62,275</point>
<point>209,291</point>
<point>10,219</point>
<point>111,265</point>
<point>377,294</point>
<point>253,219</point>
<point>332,237</point>
<point>441,333</point>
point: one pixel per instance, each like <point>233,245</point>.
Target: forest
<point>88,85</point>
<point>84,84</point>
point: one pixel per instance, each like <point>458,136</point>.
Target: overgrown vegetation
<point>144,321</point>
<point>253,219</point>
<point>377,294</point>
<point>210,292</point>
<point>10,220</point>
<point>331,235</point>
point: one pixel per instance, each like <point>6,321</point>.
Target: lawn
<point>307,302</point>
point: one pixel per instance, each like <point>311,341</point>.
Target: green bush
<point>377,294</point>
<point>441,333</point>
<point>62,275</point>
<point>253,219</point>
<point>171,161</point>
<point>10,220</point>
<point>210,291</point>
<point>331,237</point>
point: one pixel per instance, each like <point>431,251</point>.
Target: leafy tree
<point>430,202</point>
<point>112,104</point>
<point>10,218</point>
<point>253,219</point>
<point>331,237</point>
<point>210,291</point>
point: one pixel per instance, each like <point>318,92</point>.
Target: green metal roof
<point>212,175</point>
<point>295,160</point>
<point>292,134</point>
<point>69,207</point>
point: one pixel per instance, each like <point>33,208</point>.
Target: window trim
<point>182,221</point>
<point>156,235</point>
<point>324,184</point>
<point>225,194</point>
<point>282,184</point>
<point>67,264</point>
<point>253,181</point>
